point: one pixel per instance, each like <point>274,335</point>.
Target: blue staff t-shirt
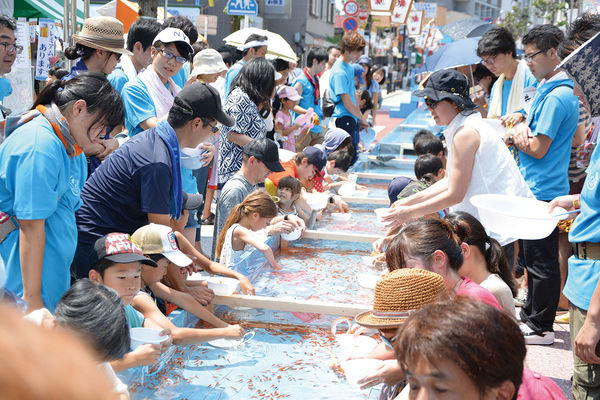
<point>118,78</point>
<point>181,77</point>
<point>584,274</point>
<point>5,88</point>
<point>554,113</point>
<point>134,181</point>
<point>38,180</point>
<point>138,106</point>
<point>308,99</point>
<point>230,76</point>
<point>342,82</point>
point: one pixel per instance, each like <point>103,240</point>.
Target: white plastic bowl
<point>355,345</point>
<point>359,368</point>
<point>516,217</point>
<point>192,158</point>
<point>381,212</point>
<point>316,201</point>
<point>222,286</point>
<point>140,336</point>
<point>367,260</point>
<point>293,235</point>
<point>341,217</point>
<point>348,189</point>
<point>368,281</point>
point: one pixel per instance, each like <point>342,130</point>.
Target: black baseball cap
<point>200,100</point>
<point>448,84</point>
<point>118,248</point>
<point>316,157</point>
<point>265,150</point>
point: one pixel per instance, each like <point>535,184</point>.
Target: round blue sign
<point>350,24</point>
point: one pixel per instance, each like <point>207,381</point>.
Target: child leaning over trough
<point>288,191</point>
<point>160,244</point>
<point>119,267</point>
<point>251,215</point>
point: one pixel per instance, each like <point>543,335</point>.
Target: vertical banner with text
<point>45,48</point>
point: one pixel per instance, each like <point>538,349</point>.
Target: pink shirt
<point>471,289</point>
<point>285,119</point>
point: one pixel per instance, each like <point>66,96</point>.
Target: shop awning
<point>53,9</point>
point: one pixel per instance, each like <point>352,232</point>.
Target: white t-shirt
<point>501,292</point>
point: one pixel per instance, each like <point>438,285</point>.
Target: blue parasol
<point>452,55</point>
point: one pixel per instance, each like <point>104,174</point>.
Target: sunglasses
<point>431,103</point>
<point>388,342</point>
<point>214,128</point>
<point>170,55</point>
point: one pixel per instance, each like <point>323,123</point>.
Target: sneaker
<point>521,297</point>
<point>562,318</point>
<point>533,337</point>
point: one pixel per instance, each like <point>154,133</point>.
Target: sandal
<point>210,220</point>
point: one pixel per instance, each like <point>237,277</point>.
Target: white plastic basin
<point>221,285</point>
<point>367,281</point>
<point>224,343</point>
<point>293,235</point>
<point>316,201</point>
<point>355,370</point>
<point>355,345</point>
<point>341,217</point>
<point>140,336</point>
<point>347,189</point>
<point>380,213</point>
<point>516,217</point>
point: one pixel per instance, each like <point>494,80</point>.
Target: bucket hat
<point>448,84</point>
<point>399,294</point>
<point>104,33</point>
<point>208,61</point>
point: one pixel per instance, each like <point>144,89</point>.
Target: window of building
<point>315,8</point>
<point>331,11</point>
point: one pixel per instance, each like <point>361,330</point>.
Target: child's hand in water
<point>147,354</point>
<point>234,331</point>
<point>165,344</point>
<point>275,265</point>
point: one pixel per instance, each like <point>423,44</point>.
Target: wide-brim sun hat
<point>208,61</point>
<point>399,294</point>
<point>104,33</point>
<point>448,84</point>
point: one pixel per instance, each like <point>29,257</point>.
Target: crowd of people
<point>108,243</point>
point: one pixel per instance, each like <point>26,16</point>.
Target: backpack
<point>327,105</point>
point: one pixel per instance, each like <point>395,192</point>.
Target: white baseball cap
<point>172,35</point>
<point>160,239</point>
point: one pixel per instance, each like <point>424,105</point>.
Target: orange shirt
<point>289,169</point>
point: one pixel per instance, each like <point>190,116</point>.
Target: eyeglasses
<point>489,61</point>
<point>431,103</point>
<point>170,55</point>
<point>11,47</point>
<point>529,58</point>
<point>388,342</point>
<point>214,128</point>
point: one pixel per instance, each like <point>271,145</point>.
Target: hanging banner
<point>401,11</point>
<point>45,49</point>
<point>381,7</point>
<point>32,29</point>
<point>429,8</point>
<point>414,24</point>
<point>20,75</point>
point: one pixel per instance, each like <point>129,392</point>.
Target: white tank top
<point>229,256</point>
<point>494,170</point>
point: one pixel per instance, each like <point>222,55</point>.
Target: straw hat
<point>400,293</point>
<point>104,33</point>
<point>208,61</point>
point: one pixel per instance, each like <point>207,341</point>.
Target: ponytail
<point>470,231</point>
<point>92,87</point>
<point>258,201</point>
<point>497,263</point>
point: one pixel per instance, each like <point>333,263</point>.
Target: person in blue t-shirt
<point>309,88</point>
<point>342,89</point>
<point>141,181</point>
<point>255,46</point>
<point>140,36</point>
<point>42,172</point>
<point>544,149</point>
<point>498,52</point>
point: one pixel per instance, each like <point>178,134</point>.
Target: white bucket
<point>293,235</point>
<point>359,368</point>
<point>341,217</point>
<point>516,217</point>
<point>224,343</point>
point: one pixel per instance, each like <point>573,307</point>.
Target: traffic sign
<point>350,24</point>
<point>363,15</point>
<point>242,7</point>
<point>351,8</point>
